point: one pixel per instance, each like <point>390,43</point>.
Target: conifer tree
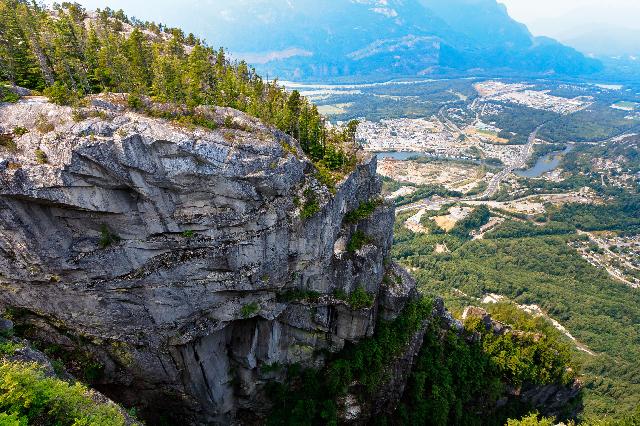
<point>18,64</point>
<point>139,56</point>
<point>200,79</point>
<point>67,55</point>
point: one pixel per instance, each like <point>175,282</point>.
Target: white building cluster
<point>521,94</point>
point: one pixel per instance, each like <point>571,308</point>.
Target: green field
<point>487,132</point>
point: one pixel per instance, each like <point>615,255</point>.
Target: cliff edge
<point>186,263</point>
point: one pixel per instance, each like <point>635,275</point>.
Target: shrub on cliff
<point>249,310</point>
<point>60,94</point>
<point>107,237</point>
<point>532,419</point>
<point>363,211</point>
<point>7,95</point>
<point>8,347</point>
<point>358,240</point>
<point>27,396</point>
<point>357,299</point>
<point>7,142</point>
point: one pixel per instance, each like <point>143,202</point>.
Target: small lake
<point>545,164</point>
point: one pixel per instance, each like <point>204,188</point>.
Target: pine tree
<point>18,64</point>
<point>93,47</point>
<point>167,81</point>
<point>294,105</point>
<point>140,58</point>
<point>58,53</point>
<point>199,78</point>
<point>66,49</point>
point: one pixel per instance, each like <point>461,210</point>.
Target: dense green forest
<point>520,120</point>
<point>67,53</point>
<point>453,377</point>
<point>533,264</point>
<point>452,374</point>
<point>596,123</point>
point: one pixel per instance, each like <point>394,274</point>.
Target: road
<point>597,261</point>
<point>448,124</point>
<point>494,183</point>
<point>425,204</point>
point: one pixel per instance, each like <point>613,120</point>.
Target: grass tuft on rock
<point>107,237</point>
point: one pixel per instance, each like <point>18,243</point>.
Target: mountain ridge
<point>401,39</point>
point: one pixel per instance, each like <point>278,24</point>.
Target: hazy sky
<point>544,17</point>
<point>557,17</point>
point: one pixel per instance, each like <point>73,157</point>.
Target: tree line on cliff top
<point>66,52</point>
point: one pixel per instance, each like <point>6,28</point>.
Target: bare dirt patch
<point>453,176</point>
<point>456,214</point>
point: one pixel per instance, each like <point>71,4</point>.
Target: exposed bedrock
<point>170,254</point>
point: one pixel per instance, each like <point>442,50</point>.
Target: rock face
<point>171,255</point>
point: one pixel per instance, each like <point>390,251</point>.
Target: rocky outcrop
<point>356,409</point>
<point>178,257</point>
<point>398,373</point>
<point>553,400</point>
<point>398,287</point>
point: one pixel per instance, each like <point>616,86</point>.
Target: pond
<point>545,164</point>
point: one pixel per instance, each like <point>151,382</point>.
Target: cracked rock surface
<point>165,252</point>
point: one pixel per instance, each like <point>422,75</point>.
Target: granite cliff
<point>185,262</point>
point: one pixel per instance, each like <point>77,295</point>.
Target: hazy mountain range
<point>604,40</point>
<point>307,39</point>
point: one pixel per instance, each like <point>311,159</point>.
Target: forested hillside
<point>68,52</point>
<point>535,265</point>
